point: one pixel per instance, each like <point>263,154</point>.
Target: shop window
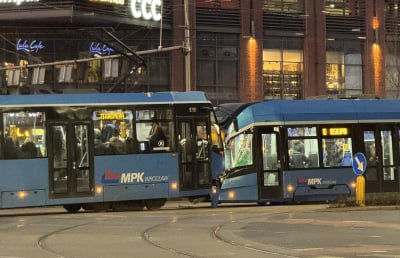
<point>94,74</point>
<point>285,6</point>
<point>217,61</point>
<point>158,71</point>
<point>336,7</point>
<point>282,69</point>
<point>343,67</point>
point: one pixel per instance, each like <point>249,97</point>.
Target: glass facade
<point>218,66</point>
<point>284,29</point>
<point>344,67</point>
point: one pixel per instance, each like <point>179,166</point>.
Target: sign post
<point>359,167</point>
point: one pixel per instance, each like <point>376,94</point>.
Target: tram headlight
<point>99,189</point>
<point>22,194</point>
<point>353,185</point>
<point>174,186</point>
<point>290,188</point>
<point>231,195</point>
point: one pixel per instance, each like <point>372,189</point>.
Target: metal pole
<point>187,47</point>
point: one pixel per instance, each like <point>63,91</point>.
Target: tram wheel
<point>154,204</point>
<point>72,208</point>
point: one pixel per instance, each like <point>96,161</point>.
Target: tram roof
<point>75,99</point>
<point>314,111</point>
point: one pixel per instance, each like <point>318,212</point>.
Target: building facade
<point>234,50</point>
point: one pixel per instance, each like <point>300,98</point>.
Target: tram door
<point>70,159</point>
<point>194,150</point>
<point>379,148</point>
<point>270,178</point>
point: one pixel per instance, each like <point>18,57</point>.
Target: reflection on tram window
<point>387,155</point>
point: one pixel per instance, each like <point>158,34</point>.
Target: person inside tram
<point>100,148</point>
<point>157,138</point>
<point>29,149</point>
<point>297,157</point>
<point>337,152</point>
<point>10,148</point>
<point>371,155</point>
<point>202,142</point>
<point>108,130</point>
<point>117,143</point>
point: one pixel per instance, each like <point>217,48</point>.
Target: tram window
<point>387,154</point>
<point>113,132</point>
<point>240,151</point>
<point>270,159</point>
<point>370,155</point>
<point>337,152</point>
<point>154,130</point>
<point>303,147</point>
<point>215,132</point>
<point>25,135</point>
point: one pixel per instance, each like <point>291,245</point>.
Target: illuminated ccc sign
<point>17,2</point>
<point>146,9</point>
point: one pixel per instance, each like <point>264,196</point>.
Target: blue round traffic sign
<point>359,163</point>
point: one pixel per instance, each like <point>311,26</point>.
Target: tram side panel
<point>24,183</point>
<point>137,177</point>
<point>315,185</point>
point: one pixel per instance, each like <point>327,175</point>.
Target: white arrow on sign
<point>360,165</point>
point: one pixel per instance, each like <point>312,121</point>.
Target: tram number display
<point>335,131</point>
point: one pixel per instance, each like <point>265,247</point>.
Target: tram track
<point>41,242</point>
<point>168,233</point>
<point>215,234</point>
<point>147,236</point>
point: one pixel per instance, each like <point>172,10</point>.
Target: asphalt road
<point>182,229</point>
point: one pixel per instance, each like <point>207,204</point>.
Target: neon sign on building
<point>29,45</point>
<point>100,49</point>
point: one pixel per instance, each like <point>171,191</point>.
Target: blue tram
<point>302,150</point>
<point>104,151</point>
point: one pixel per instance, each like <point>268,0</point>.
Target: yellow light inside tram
<point>290,188</point>
<point>22,194</point>
<point>231,195</point>
<point>99,189</point>
<point>174,186</point>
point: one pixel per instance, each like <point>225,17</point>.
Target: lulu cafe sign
<point>29,46</point>
<point>140,9</point>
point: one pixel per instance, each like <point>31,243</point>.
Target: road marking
<point>308,249</point>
